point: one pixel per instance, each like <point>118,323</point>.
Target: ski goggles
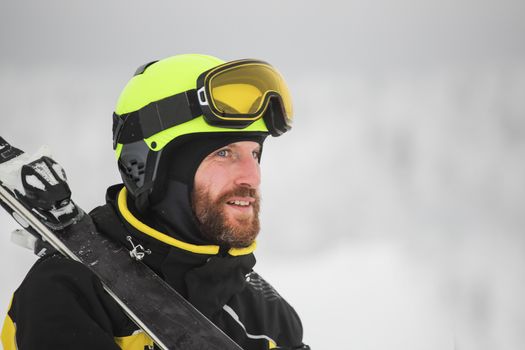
<point>232,95</point>
<point>238,93</point>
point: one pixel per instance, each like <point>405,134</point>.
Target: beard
<point>214,224</point>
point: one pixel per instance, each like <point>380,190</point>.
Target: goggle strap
<point>118,122</point>
<point>156,117</point>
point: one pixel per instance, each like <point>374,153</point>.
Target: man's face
<point>226,194</point>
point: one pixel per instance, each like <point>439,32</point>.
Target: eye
<point>256,155</point>
<point>223,153</point>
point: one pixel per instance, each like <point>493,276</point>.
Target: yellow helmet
<point>170,100</point>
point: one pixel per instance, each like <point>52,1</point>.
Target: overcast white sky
<point>310,35</point>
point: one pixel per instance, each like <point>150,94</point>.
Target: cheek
<point>211,180</point>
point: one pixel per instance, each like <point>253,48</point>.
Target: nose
<point>248,172</point>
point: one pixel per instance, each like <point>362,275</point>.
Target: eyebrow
<point>233,145</point>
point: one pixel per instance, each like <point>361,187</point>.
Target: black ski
<point>35,192</point>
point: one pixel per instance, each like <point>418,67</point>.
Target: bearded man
<point>188,132</point>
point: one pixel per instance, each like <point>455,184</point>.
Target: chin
<point>239,220</point>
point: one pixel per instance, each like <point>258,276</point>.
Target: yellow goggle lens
<point>242,90</point>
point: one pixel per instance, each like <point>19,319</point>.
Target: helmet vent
<point>133,166</point>
<point>135,171</point>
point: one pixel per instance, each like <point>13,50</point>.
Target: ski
<point>34,190</point>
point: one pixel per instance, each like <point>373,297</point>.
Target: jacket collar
<point>205,275</point>
<point>169,240</point>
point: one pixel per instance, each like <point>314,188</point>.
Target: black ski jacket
<point>61,304</point>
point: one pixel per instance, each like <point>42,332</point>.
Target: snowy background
<point>394,212</point>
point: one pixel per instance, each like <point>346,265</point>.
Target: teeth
<point>241,203</point>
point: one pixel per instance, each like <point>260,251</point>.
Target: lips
<point>244,201</point>
<point>240,203</point>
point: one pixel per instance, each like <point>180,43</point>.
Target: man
<point>188,133</point>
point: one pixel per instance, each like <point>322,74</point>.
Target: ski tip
<point>7,152</point>
<point>3,142</point>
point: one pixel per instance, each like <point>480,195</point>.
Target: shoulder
<point>264,295</point>
<point>62,304</point>
<point>54,270</point>
<point>56,280</point>
<point>261,288</point>
<point>67,292</point>
<point>260,306</point>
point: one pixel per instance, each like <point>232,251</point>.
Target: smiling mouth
<point>239,203</point>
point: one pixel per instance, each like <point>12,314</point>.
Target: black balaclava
<point>170,208</point>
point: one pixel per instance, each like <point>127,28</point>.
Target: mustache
<point>240,192</point>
